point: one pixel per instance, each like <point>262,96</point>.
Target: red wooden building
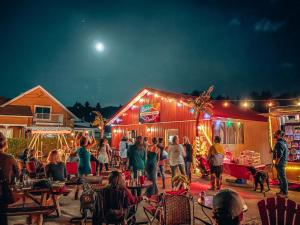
<point>156,113</point>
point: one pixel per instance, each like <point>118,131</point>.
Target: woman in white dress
<point>104,154</point>
<point>176,157</point>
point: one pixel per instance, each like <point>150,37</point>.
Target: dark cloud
<point>266,25</point>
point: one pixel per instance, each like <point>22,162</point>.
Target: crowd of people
<point>148,157</point>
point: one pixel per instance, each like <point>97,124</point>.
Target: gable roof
<point>15,110</point>
<point>3,100</point>
<point>44,90</point>
<point>219,110</point>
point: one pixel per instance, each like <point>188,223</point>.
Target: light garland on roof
<point>246,104</point>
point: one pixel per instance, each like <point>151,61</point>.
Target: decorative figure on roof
<point>99,122</point>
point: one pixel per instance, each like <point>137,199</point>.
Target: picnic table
<point>38,205</point>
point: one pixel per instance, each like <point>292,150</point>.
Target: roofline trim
<point>43,89</point>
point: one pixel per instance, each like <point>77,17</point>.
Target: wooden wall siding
<point>15,120</point>
<point>174,117</point>
<point>186,128</point>
<point>255,139</point>
<point>169,111</point>
<point>39,97</point>
<point>255,135</point>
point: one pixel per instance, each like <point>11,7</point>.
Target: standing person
<point>162,160</point>
<point>55,167</point>
<point>215,158</point>
<point>8,164</point>
<point>137,158</point>
<point>84,167</point>
<point>281,153</point>
<point>9,171</point>
<point>146,143</point>
<point>151,167</point>
<point>104,154</point>
<point>176,157</point>
<point>123,147</point>
<point>189,157</point>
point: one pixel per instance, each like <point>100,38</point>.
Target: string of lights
<point>244,103</point>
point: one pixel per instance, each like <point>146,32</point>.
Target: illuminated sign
<point>150,113</point>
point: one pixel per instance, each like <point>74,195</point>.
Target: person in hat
<point>280,156</point>
<point>228,208</point>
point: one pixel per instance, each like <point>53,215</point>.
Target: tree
<point>98,107</point>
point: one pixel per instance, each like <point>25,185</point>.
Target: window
<point>43,112</point>
<point>230,132</point>
<point>170,133</point>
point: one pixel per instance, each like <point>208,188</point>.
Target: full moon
<point>99,47</point>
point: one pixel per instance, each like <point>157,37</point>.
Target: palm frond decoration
<point>99,121</point>
<point>201,105</point>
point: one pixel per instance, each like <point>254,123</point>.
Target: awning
<point>50,130</point>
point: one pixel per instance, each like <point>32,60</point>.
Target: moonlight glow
<point>99,47</point>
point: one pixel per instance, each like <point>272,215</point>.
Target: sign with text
<point>150,113</point>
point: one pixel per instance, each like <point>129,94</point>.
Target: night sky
<point>238,46</point>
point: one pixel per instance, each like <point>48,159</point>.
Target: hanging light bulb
<point>270,104</point>
<point>226,104</point>
<point>206,116</point>
<point>245,104</point>
<point>156,95</point>
<point>298,103</point>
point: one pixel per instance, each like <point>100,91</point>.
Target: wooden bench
<point>29,211</point>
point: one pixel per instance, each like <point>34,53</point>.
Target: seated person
<point>32,158</point>
<point>228,207</point>
<point>9,165</point>
<point>117,181</point>
<point>55,168</point>
<point>73,157</point>
<point>24,155</point>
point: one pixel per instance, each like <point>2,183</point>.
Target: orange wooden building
<point>156,113</point>
<point>35,108</point>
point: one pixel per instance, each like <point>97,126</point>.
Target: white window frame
<point>43,106</point>
<point>167,137</point>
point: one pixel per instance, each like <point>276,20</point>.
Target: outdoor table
<point>134,188</point>
<point>43,193</point>
<point>93,180</point>
<point>240,171</point>
<point>208,204</point>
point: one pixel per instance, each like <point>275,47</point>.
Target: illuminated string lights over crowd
<point>269,103</point>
